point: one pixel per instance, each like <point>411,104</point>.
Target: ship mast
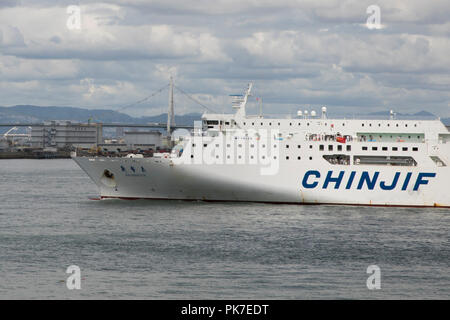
<point>170,113</point>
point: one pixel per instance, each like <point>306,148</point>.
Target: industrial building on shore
<point>65,134</point>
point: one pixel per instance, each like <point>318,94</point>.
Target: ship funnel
<point>324,112</point>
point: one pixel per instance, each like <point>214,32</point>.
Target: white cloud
<point>297,52</point>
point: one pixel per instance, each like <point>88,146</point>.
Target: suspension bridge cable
<point>195,100</point>
<point>143,100</point>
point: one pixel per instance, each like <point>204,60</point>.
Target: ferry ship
<point>310,159</point>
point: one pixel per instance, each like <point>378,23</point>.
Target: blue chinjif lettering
<point>311,180</point>
<point>337,180</point>
<point>405,184</point>
<point>393,184</point>
<point>350,180</point>
<point>420,179</point>
<point>305,179</point>
<point>366,178</point>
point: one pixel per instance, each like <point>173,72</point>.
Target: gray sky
<point>299,54</point>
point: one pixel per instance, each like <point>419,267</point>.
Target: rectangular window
<point>394,149</point>
<point>349,148</point>
<point>405,148</point>
<point>339,148</point>
<point>415,149</point>
<point>364,148</point>
<point>330,147</point>
<point>385,149</point>
<point>374,148</point>
<point>321,147</point>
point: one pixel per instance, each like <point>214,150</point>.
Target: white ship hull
<point>161,180</point>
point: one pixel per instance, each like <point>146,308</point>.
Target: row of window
<point>330,147</point>
<point>397,125</point>
<point>392,148</point>
<point>262,157</point>
<point>321,147</point>
<point>343,124</point>
<point>339,147</point>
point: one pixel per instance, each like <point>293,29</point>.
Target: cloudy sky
<point>298,54</point>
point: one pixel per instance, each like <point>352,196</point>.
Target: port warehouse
<point>56,135</point>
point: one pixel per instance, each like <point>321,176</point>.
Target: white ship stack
<point>307,160</point>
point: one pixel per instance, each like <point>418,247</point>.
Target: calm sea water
<point>197,250</point>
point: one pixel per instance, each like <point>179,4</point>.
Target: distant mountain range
<point>34,114</point>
